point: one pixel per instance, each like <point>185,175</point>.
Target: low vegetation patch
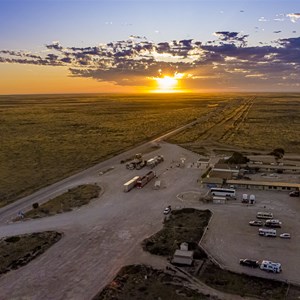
<point>185,225</point>
<point>73,198</point>
<point>45,138</point>
<point>242,284</point>
<point>17,251</point>
<point>142,282</point>
<point>293,293</point>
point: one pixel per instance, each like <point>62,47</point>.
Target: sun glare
<point>168,84</point>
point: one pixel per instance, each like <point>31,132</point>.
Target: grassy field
<point>46,138</point>
<point>17,251</point>
<point>185,225</point>
<point>261,122</point>
<point>272,121</point>
<point>75,197</point>
<point>49,137</point>
<point>142,282</point>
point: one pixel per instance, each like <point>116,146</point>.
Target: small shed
<point>203,163</point>
<point>157,185</point>
<point>182,257</point>
<point>184,246</point>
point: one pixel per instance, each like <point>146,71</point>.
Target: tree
<point>35,205</point>
<point>278,153</point>
<point>237,158</point>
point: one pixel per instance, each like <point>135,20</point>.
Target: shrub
<point>12,239</point>
<point>35,205</point>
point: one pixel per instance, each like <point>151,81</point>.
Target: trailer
<point>152,162</point>
<point>145,179</point>
<point>267,232</point>
<point>129,185</point>
<point>270,266</point>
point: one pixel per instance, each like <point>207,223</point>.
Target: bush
<point>12,239</point>
<point>237,158</point>
<point>35,205</point>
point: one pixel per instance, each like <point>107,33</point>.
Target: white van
<point>252,199</point>
<point>267,232</point>
<point>270,266</point>
<point>245,198</point>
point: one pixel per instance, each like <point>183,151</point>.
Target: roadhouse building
<point>265,185</point>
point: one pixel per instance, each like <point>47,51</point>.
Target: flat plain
<point>49,137</point>
<point>259,122</point>
<point>45,138</point>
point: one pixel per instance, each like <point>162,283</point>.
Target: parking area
<point>230,237</point>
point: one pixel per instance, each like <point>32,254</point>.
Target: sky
<point>121,46</point>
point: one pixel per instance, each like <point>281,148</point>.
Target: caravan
<point>270,266</point>
<point>267,232</point>
<point>264,215</point>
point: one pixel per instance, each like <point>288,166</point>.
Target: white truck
<point>270,266</point>
<point>130,184</point>
<point>252,199</point>
<point>245,198</point>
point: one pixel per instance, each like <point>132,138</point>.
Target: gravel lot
<point>230,238</point>
<point>105,235</point>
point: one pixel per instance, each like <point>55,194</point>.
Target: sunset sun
<point>168,84</point>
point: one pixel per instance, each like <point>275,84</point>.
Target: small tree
<point>237,158</point>
<point>35,205</point>
<point>278,153</point>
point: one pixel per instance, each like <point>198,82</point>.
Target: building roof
<point>183,253</point>
<point>183,257</point>
<point>265,183</point>
<point>212,180</point>
<point>204,160</point>
<point>220,174</point>
<point>273,167</point>
<point>226,166</point>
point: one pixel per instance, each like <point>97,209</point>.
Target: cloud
<point>228,58</point>
<point>262,19</point>
<point>233,37</point>
<point>55,45</point>
<point>294,17</point>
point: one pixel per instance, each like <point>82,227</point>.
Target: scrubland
<point>45,138</point>
<point>259,122</point>
<point>49,137</point>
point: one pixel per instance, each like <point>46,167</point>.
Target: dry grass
<point>46,138</point>
<point>261,122</point>
<point>142,282</point>
<point>75,197</point>
<point>17,251</point>
<point>242,284</point>
<point>185,225</point>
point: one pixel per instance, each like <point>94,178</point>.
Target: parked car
<point>285,236</point>
<point>167,210</point>
<point>249,263</point>
<point>294,194</point>
<point>256,223</point>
